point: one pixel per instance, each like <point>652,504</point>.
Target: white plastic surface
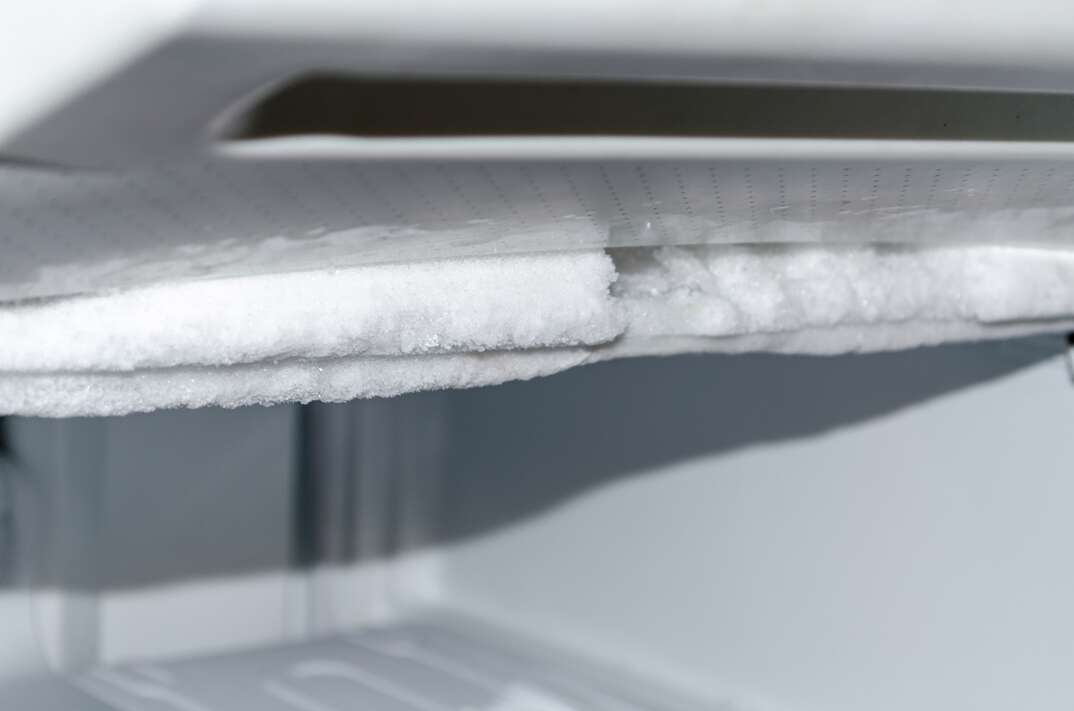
<point>193,57</point>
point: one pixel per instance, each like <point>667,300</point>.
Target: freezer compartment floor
<point>410,667</point>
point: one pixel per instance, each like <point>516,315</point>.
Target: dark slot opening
<point>380,107</point>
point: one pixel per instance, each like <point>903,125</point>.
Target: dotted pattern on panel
<point>64,232</point>
<point>406,668</point>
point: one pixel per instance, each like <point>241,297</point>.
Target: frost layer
<point>391,329</point>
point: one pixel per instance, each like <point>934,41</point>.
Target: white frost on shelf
<point>390,329</point>
<point>329,380</point>
<point>465,305</point>
<point>834,299</point>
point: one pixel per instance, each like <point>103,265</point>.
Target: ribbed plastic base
<point>411,667</point>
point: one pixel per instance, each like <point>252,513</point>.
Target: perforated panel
<point>66,231</point>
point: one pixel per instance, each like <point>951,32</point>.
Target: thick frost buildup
<point>830,299</point>
<point>329,380</point>
<point>465,305</point>
<point>391,329</point>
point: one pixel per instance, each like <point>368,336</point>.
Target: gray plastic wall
<point>876,532</point>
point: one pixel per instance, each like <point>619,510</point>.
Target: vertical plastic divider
<point>298,604</point>
<point>75,523</point>
<point>366,500</point>
<point>64,465</point>
<point>21,651</point>
<point>9,537</point>
<point>422,440</point>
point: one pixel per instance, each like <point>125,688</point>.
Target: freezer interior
<point>726,532</point>
<point>595,356</point>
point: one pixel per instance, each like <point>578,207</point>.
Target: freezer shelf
<point>408,667</point>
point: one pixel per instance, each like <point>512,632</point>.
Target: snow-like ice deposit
<point>385,330</point>
<point>465,305</point>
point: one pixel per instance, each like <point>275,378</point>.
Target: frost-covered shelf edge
<point>390,329</point>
